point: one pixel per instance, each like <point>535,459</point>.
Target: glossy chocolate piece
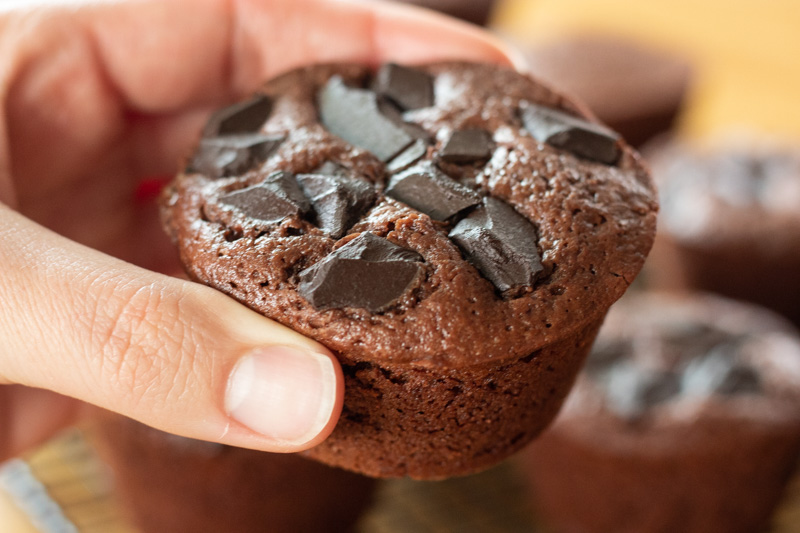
<point>369,272</point>
<point>580,137</point>
<point>355,116</point>
<point>233,155</point>
<point>338,200</point>
<point>721,372</point>
<point>500,243</point>
<point>415,131</point>
<point>269,202</point>
<point>429,190</point>
<point>467,146</point>
<point>631,389</point>
<point>406,87</point>
<point>409,156</point>
<point>241,117</point>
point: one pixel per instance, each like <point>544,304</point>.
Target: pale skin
<point>94,98</point>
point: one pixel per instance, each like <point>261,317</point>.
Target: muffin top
<point>739,192</point>
<point>678,364</point>
<point>443,215</point>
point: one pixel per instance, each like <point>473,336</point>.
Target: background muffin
<point>731,220</point>
<point>638,90</point>
<point>167,483</point>
<point>687,418</point>
<point>453,232</point>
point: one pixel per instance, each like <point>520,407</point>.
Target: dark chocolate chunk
<point>582,138</point>
<point>355,116</point>
<point>467,146</point>
<point>721,371</point>
<point>232,155</point>
<point>407,87</point>
<point>269,202</point>
<point>241,117</point>
<point>368,272</point>
<point>631,390</point>
<point>429,190</point>
<point>392,113</point>
<point>501,243</point>
<point>606,352</point>
<point>689,339</point>
<point>681,332</point>
<point>338,201</point>
<point>408,157</point>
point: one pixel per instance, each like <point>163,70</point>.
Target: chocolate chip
<point>582,138</point>
<point>368,272</point>
<point>631,390</point>
<point>241,117</point>
<point>407,87</point>
<point>740,379</point>
<point>689,339</point>
<point>606,352</point>
<point>232,155</point>
<point>408,157</point>
<point>427,189</point>
<point>338,201</point>
<point>467,146</point>
<point>355,116</point>
<point>721,371</point>
<point>501,243</point>
<point>269,202</point>
<point>392,113</point>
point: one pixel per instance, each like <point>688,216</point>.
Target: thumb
<point>175,355</point>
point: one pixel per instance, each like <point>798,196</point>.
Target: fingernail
<point>284,393</point>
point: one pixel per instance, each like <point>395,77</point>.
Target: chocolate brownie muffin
<point>686,418</point>
<point>731,221</point>
<point>474,11</point>
<point>454,232</point>
<point>638,91</point>
<point>172,484</point>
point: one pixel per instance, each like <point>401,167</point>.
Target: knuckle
<point>143,346</point>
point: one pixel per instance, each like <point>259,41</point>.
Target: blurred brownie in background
<point>730,220</point>
<point>686,418</point>
<point>474,11</point>
<point>171,484</point>
<point>634,89</point>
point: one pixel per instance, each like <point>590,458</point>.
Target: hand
<point>95,97</point>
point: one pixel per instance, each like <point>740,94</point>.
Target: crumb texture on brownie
<point>522,218</point>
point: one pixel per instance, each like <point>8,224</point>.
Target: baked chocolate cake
<point>731,221</point>
<point>686,418</point>
<point>474,11</point>
<point>454,232</point>
<point>171,484</point>
<point>638,91</point>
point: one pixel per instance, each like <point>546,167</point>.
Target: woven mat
<point>63,487</point>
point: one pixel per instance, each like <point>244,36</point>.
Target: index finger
<point>120,76</point>
<point>166,55</point>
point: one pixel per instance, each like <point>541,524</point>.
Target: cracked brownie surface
<point>486,222</point>
<point>594,222</point>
